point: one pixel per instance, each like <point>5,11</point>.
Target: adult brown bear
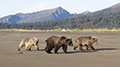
<point>57,42</point>
<point>28,43</point>
<point>86,41</point>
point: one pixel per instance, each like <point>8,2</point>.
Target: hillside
<point>112,9</point>
<point>40,16</point>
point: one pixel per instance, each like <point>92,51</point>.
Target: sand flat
<point>107,52</point>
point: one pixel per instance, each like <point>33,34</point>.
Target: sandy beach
<point>107,52</point>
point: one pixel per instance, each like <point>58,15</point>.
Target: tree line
<point>81,21</point>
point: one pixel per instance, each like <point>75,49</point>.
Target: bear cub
<point>86,41</point>
<point>28,43</point>
<point>57,42</point>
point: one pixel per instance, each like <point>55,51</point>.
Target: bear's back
<point>52,39</point>
<point>25,40</point>
<point>84,40</point>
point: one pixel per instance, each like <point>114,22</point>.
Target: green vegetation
<point>60,30</point>
<point>87,21</point>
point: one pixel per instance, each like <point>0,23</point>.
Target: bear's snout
<point>71,45</point>
<point>96,43</point>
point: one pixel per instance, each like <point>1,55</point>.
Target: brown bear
<point>57,42</point>
<point>28,43</point>
<point>86,41</point>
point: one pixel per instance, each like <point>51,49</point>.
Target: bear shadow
<point>89,51</point>
<point>32,50</point>
<point>76,51</point>
<point>38,50</point>
<point>101,49</point>
<point>79,51</point>
<point>41,49</point>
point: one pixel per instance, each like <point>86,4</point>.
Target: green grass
<point>24,30</point>
<point>60,30</point>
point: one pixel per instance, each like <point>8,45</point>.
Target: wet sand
<point>107,52</point>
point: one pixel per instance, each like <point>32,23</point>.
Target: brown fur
<point>57,42</point>
<point>28,43</point>
<point>85,41</point>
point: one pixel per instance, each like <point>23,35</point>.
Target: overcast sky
<point>8,7</point>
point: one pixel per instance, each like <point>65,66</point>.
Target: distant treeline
<point>83,21</point>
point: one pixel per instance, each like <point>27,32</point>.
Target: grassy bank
<point>60,30</point>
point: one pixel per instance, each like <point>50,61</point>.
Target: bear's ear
<point>32,37</point>
<point>67,40</point>
<point>90,37</point>
<point>63,37</point>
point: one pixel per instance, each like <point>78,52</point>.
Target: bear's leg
<point>36,46</point>
<point>29,48</point>
<point>87,47</point>
<point>64,47</point>
<point>26,48</point>
<point>75,47</point>
<point>80,47</point>
<point>20,47</point>
<point>56,49</point>
<point>48,49</point>
<point>92,47</point>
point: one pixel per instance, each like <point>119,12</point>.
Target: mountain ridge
<point>111,9</point>
<point>39,16</point>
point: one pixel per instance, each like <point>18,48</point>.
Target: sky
<point>10,7</point>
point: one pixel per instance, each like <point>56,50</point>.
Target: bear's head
<point>35,42</point>
<point>66,41</point>
<point>95,40</point>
